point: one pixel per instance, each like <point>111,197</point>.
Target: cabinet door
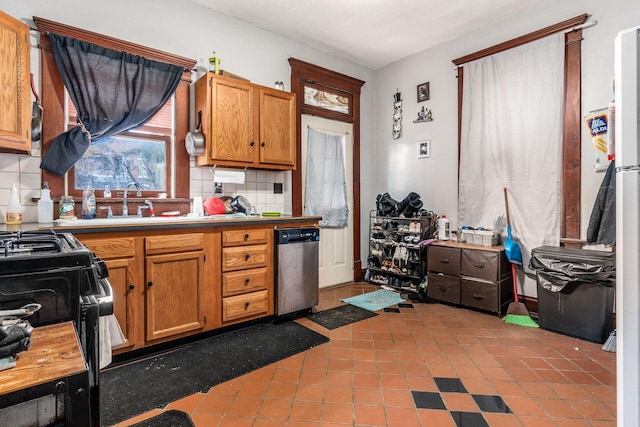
<point>15,113</point>
<point>174,294</point>
<point>231,136</point>
<point>122,276</point>
<point>277,127</point>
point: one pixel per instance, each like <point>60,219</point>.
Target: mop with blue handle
<point>517,312</point>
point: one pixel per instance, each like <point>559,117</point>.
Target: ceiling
<point>372,33</point>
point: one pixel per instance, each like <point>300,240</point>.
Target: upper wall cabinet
<point>245,124</point>
<point>15,116</point>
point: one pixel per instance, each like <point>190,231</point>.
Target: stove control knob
<point>101,268</point>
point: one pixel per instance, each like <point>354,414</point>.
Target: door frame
<point>304,74</point>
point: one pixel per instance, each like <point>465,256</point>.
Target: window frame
<point>53,96</point>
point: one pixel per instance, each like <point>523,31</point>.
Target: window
<point>143,156</point>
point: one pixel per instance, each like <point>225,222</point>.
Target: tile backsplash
<point>24,171</point>
<point>258,188</point>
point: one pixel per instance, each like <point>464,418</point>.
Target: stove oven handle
<point>105,302</point>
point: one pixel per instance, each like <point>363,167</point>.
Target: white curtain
<point>326,188</point>
<point>511,137</point>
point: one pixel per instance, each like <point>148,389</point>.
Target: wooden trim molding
<point>572,121</point>
<point>305,73</point>
<point>53,97</point>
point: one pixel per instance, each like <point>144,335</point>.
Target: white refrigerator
<point>627,162</point>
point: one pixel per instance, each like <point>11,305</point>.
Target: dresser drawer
<point>244,257</point>
<point>112,248</point>
<point>245,305</point>
<point>444,288</point>
<point>173,243</point>
<point>480,264</point>
<point>239,282</point>
<point>444,260</point>
<point>477,294</point>
<point>245,237</point>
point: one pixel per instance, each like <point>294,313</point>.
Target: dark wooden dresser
<point>468,275</point>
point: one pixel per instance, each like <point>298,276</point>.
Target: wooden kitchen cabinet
<point>247,274</point>
<point>15,107</point>
<point>245,125</point>
<point>174,267</point>
<point>472,276</point>
<point>126,277</point>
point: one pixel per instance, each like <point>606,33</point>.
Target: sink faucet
<point>147,205</point>
<point>125,208</point>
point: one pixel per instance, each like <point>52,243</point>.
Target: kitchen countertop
<point>104,225</point>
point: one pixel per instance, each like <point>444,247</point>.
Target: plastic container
<point>45,205</point>
<point>107,192</point>
<point>14,208</point>
<point>444,230</point>
<point>88,203</point>
<point>67,208</point>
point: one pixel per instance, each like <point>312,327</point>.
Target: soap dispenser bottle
<point>88,203</point>
<point>45,205</point>
<point>14,208</point>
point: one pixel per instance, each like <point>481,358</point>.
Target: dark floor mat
<point>340,316</point>
<point>171,418</point>
<point>137,387</point>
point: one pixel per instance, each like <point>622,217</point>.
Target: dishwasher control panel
<point>291,235</point>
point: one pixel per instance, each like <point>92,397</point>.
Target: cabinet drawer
<point>173,243</point>
<point>482,295</point>
<point>444,288</point>
<point>444,260</point>
<point>239,282</point>
<point>480,264</point>
<point>112,248</point>
<point>244,237</point>
<point>244,305</point>
<point>243,257</point>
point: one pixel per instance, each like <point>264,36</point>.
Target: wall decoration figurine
<point>397,115</point>
<point>423,91</point>
<point>424,115</point>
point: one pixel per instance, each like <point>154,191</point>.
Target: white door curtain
<point>511,137</point>
<point>326,189</point>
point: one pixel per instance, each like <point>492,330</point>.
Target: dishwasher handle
<point>286,236</point>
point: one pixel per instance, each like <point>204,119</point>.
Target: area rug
<point>171,418</point>
<point>137,387</point>
<point>340,316</point>
<point>376,300</point>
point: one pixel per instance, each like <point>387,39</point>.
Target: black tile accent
<point>428,400</point>
<point>491,403</point>
<point>391,310</point>
<point>405,305</point>
<point>450,385</point>
<point>469,419</point>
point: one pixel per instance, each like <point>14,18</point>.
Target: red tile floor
<point>376,371</point>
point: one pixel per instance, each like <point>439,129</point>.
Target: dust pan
<point>511,248</point>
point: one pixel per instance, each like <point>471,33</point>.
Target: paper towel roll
<point>228,176</point>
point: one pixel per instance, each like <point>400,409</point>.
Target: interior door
<point>336,244</point>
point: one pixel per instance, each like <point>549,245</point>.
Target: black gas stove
<point>70,283</point>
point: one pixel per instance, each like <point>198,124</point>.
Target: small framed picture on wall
<point>424,149</point>
<point>423,92</point>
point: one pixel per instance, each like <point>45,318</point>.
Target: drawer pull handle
<point>262,144</point>
<point>444,260</point>
<point>479,265</point>
<point>246,281</point>
<point>150,284</point>
<point>246,257</point>
<point>478,296</point>
<point>246,305</point>
<point>131,287</point>
<point>252,143</point>
<point>444,289</point>
<point>246,236</point>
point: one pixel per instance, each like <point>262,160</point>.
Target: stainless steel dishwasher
<point>297,252</point>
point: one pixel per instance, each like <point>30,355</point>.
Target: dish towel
<point>110,336</point>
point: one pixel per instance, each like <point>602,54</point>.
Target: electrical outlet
<point>277,188</point>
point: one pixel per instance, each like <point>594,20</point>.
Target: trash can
<point>576,290</point>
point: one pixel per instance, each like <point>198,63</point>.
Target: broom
<point>517,312</point>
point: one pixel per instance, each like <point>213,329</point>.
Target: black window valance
<point>113,92</point>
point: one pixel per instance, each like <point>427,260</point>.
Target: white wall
<point>192,31</point>
<point>435,178</point>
